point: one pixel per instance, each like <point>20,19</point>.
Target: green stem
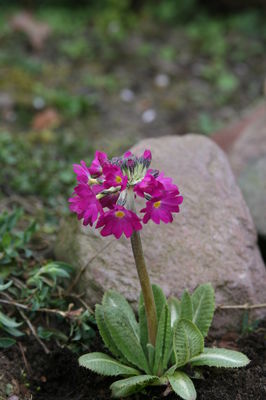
<point>143,275</point>
<point>145,286</point>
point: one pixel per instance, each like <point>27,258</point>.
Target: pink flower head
<point>81,171</point>
<point>97,164</point>
<point>118,221</point>
<point>161,208</point>
<point>85,204</point>
<point>106,191</point>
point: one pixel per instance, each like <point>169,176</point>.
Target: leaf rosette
<point>182,326</point>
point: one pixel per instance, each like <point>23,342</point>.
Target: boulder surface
<point>248,160</point>
<point>213,239</point>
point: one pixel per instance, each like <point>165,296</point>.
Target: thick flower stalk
<point>105,196</point>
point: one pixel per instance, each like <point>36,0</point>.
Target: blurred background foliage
<point>76,76</point>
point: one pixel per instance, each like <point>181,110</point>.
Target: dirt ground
<point>28,373</point>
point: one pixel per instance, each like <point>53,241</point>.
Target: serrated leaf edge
<point>104,358</point>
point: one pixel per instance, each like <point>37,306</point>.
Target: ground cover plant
<point>32,291</point>
<point>168,335</point>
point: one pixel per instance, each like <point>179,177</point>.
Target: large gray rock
<point>248,160</point>
<point>212,239</point>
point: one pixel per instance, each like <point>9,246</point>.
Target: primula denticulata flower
<point>106,192</point>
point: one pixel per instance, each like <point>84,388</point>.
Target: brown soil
<point>57,376</point>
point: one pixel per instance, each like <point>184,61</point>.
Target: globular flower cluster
<point>107,189</point>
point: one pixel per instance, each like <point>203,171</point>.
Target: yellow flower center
<point>118,179</point>
<point>119,214</point>
<point>157,204</point>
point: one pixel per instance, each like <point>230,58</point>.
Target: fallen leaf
<point>46,119</point>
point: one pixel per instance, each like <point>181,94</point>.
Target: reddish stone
<point>226,137</point>
<point>247,157</point>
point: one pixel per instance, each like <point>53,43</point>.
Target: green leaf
<point>8,322</point>
<point>171,370</point>
<point>159,298</point>
<point>128,386</point>
<point>143,328</point>
<point>54,269</point>
<point>220,358</point>
<point>151,353</point>
<point>105,365</point>
<point>188,342</point>
<point>203,303</point>
<point>13,331</point>
<point>182,385</point>
<point>6,342</point>
<point>105,334</point>
<point>175,309</point>
<point>6,240</point>
<point>28,233</point>
<point>47,334</point>
<point>119,303</point>
<point>186,306</point>
<point>125,338</point>
<point>5,286</point>
<point>163,341</point>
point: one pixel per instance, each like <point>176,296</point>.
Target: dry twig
<point>241,306</point>
<point>27,366</point>
<point>65,314</point>
<point>33,331</point>
<point>79,298</point>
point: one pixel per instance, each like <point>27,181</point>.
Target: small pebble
<point>38,103</point>
<point>13,397</point>
<point>149,116</point>
<point>127,95</point>
<point>161,80</point>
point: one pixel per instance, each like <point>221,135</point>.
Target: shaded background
<point>76,76</point>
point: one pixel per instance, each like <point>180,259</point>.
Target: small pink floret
<point>161,208</point>
<point>149,185</point>
<point>82,172</point>
<point>127,154</point>
<point>118,221</point>
<point>167,182</point>
<point>97,164</point>
<point>114,177</point>
<point>147,155</point>
<point>85,204</point>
